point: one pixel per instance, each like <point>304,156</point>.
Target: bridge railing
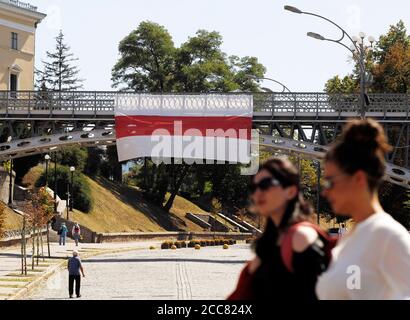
<point>94,102</point>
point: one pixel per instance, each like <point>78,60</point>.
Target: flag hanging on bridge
<point>189,127</point>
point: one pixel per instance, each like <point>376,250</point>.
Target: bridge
<point>35,122</point>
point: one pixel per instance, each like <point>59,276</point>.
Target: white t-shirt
<point>372,261</point>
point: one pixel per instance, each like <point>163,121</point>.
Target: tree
<point>146,60</point>
<point>2,219</point>
<point>73,156</point>
<point>393,74</point>
<point>59,73</point>
<point>111,168</point>
<point>150,62</point>
<point>397,34</point>
<point>81,189</point>
<point>38,212</point>
<point>94,161</point>
<point>346,85</point>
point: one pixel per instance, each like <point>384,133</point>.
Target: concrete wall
<point>234,223</point>
<point>217,225</point>
<point>4,184</point>
<point>15,239</point>
<point>198,220</point>
<point>88,236</point>
<point>145,236</point>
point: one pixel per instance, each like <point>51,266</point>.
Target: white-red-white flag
<point>210,127</point>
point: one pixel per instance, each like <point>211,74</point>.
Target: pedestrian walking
<point>372,261</point>
<point>74,267</point>
<point>76,232</point>
<point>342,230</point>
<point>62,233</point>
<point>292,251</point>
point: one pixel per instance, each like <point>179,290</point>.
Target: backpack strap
<point>286,248</point>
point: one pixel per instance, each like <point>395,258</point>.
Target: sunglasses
<point>264,184</point>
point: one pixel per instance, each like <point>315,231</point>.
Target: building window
<point>14,38</point>
<point>13,85</point>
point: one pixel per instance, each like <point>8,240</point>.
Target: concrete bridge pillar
<point>5,185</point>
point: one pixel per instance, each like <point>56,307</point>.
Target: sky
<point>260,28</point>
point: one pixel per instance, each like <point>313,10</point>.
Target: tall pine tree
<point>59,73</point>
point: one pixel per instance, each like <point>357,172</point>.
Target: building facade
<point>18,23</point>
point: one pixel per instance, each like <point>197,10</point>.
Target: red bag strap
<point>286,244</point>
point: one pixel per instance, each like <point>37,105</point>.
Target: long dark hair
<point>362,146</point>
<point>296,210</point>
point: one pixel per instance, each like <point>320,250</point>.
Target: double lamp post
<point>358,49</point>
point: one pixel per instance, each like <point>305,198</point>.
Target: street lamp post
<point>47,159</point>
<point>319,172</point>
<point>11,183</point>
<point>72,169</point>
<point>358,50</point>
<point>67,206</point>
<point>284,88</point>
<point>55,182</point>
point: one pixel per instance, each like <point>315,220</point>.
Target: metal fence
<point>103,102</point>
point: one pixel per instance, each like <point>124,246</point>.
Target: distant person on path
<point>342,230</point>
<point>74,267</point>
<point>76,232</point>
<point>372,262</point>
<point>62,233</point>
<point>292,251</point>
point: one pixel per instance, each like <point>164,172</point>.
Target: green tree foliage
<point>59,73</point>
<point>82,192</point>
<point>346,85</point>
<point>150,62</point>
<point>73,156</point>
<point>94,162</point>
<point>396,34</point>
<point>111,168</point>
<point>146,60</point>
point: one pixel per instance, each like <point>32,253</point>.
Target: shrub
<point>177,244</point>
<point>166,245</point>
<point>191,244</point>
<point>183,244</point>
<point>203,243</point>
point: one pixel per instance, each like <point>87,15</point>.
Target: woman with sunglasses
<point>373,260</point>
<point>276,196</point>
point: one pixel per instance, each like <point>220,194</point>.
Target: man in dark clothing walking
<point>74,267</point>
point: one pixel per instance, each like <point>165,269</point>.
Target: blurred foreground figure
<point>372,261</point>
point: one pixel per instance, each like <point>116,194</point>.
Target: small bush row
<point>192,243</point>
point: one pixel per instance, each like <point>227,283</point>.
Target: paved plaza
<point>184,274</point>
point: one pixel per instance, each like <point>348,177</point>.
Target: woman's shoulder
<point>303,237</point>
<point>385,223</point>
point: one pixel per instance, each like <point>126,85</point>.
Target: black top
<point>272,280</point>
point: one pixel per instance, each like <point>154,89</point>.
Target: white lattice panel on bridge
<point>183,104</point>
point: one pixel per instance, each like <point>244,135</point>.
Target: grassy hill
<point>13,221</point>
<point>120,208</point>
